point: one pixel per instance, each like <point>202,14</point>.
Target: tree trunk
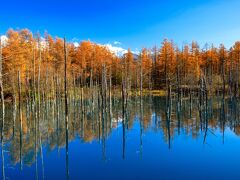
<point>66,104</point>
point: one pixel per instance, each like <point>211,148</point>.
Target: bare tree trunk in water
<point>39,77</point>
<point>3,109</point>
<point>66,104</point>
<point>34,76</point>
<point>141,78</point>
<point>20,114</point>
<point>110,95</point>
<point>1,87</point>
<point>169,112</point>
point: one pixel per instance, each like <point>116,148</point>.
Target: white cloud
<point>4,40</point>
<point>76,44</point>
<point>43,42</point>
<point>119,51</point>
<point>117,43</point>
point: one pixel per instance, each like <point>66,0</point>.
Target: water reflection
<point>34,137</point>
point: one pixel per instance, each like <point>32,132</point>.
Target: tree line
<point>168,67</point>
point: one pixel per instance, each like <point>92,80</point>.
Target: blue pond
<point>145,144</point>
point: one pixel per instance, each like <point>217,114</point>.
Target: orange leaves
<point>24,50</point>
<point>17,51</point>
<point>167,59</point>
<point>128,62</point>
<point>146,61</point>
<point>236,52</point>
<point>84,54</point>
<point>89,57</point>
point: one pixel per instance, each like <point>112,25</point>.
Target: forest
<point>120,89</point>
<point>53,91</point>
<point>184,71</point>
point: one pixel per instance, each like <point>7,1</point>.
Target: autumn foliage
<point>36,55</point>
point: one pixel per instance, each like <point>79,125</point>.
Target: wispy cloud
<point>117,43</point>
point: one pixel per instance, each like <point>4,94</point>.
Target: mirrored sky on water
<point>147,145</point>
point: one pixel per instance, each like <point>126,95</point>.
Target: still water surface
<point>146,145</point>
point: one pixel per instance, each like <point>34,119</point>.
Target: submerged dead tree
<point>3,109</point>
<point>141,78</point>
<point>1,87</point>
<point>20,114</point>
<point>66,104</point>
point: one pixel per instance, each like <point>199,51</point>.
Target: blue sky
<point>134,23</point>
